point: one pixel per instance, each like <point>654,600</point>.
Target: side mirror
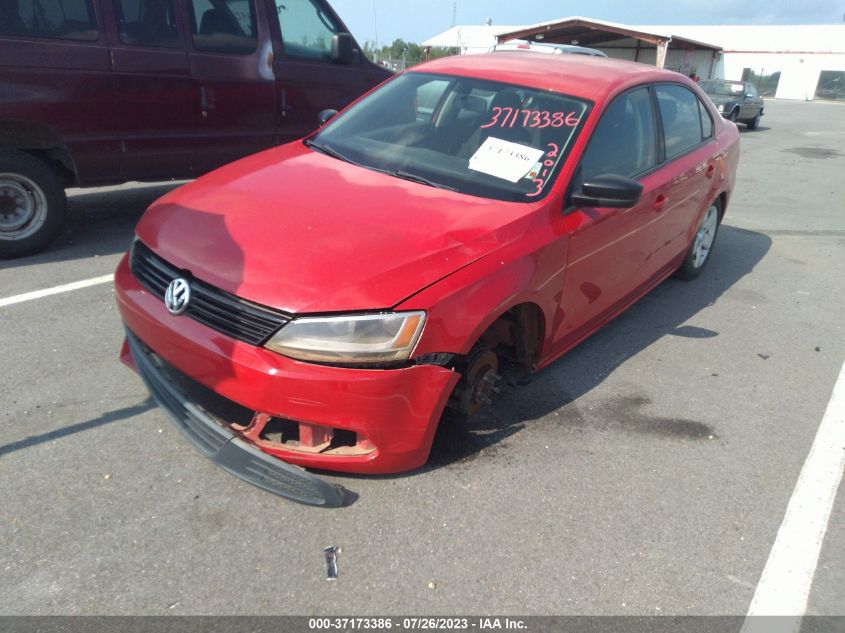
<point>608,190</point>
<point>343,51</point>
<point>326,115</point>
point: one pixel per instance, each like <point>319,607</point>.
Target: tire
<point>702,243</point>
<point>33,206</point>
<point>732,116</point>
<point>753,123</point>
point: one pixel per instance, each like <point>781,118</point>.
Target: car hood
<point>723,99</point>
<point>303,232</point>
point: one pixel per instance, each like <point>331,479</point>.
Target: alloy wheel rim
<point>23,207</point>
<point>704,237</point>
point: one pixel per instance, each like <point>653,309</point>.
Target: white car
<point>542,47</point>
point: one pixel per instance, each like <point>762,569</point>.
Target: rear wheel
<point>702,244</point>
<point>32,204</point>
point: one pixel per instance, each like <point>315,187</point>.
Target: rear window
<point>61,19</point>
<point>681,117</point>
<point>147,22</point>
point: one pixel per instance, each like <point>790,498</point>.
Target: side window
<point>306,29</point>
<point>624,141</point>
<point>429,95</point>
<point>679,111</point>
<point>62,19</point>
<point>706,121</point>
<point>750,90</point>
<point>146,22</point>
<point>224,26</point>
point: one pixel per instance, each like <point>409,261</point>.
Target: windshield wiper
<point>328,151</point>
<point>401,173</point>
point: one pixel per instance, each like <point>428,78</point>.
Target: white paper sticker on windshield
<point>503,159</point>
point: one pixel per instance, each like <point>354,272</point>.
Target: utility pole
<point>454,12</point>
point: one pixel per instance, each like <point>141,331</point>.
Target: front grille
<point>230,315</point>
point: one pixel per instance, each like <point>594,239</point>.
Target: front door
<point>609,249</point>
<point>230,59</point>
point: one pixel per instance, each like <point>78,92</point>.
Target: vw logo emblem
<point>177,296</point>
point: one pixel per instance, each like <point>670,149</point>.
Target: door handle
<point>660,202</point>
<point>711,169</point>
<point>283,105</point>
<point>205,106</point>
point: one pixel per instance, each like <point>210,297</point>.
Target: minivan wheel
<point>32,204</point>
<point>702,244</point>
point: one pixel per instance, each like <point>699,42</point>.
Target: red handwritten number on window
<point>547,163</point>
<point>530,118</point>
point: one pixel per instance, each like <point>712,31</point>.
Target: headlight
<point>368,339</point>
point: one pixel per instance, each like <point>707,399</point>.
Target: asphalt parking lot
<point>647,472</point>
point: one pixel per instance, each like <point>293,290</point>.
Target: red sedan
<point>320,304</point>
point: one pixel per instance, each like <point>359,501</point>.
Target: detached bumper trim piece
<point>227,450</point>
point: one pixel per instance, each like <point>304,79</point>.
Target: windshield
<point>723,88</point>
<point>477,137</point>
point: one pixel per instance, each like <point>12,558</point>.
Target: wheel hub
<point>22,206</point>
<point>480,382</point>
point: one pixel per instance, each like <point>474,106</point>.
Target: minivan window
<point>147,22</point>
<point>62,19</point>
<point>224,26</point>
<point>306,29</point>
<point>681,118</point>
<point>478,137</point>
<point>624,141</point>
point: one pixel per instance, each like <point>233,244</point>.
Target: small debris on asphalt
<point>763,356</point>
<point>107,477</point>
<point>331,562</point>
<point>432,585</point>
<point>818,349</point>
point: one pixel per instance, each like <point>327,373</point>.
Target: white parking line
<point>37,294</point>
<point>785,583</point>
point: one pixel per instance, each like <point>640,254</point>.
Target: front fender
<point>462,306</point>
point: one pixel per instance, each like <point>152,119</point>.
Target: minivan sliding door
<point>236,90</point>
<point>156,99</point>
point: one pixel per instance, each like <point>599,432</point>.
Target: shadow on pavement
<point>556,388</point>
<point>100,222</point>
<point>107,418</point>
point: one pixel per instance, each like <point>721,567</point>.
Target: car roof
<point>585,76</point>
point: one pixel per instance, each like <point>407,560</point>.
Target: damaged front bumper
<point>224,447</point>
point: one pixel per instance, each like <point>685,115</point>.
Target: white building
<point>785,61</point>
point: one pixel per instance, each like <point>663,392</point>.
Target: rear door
<point>156,97</point>
<point>308,80</point>
<point>691,155</point>
<point>230,60</point>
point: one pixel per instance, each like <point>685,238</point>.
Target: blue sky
<point>416,20</point>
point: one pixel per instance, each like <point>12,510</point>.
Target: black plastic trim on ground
<point>226,449</point>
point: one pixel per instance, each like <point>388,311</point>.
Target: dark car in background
<point>95,92</point>
<point>737,101</point>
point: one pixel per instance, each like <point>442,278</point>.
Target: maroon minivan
<point>107,91</point>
